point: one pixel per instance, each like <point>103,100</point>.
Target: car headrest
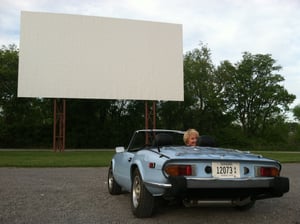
<point>206,140</point>
<point>162,139</point>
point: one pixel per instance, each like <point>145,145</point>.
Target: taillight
<point>179,170</point>
<point>267,172</point>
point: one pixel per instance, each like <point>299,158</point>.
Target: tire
<point>113,187</point>
<point>142,202</point>
<point>246,207</point>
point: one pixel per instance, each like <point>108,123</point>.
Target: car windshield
<point>145,138</point>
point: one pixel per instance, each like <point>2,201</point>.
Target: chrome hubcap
<point>110,179</point>
<point>136,191</point>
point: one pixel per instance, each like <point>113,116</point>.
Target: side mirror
<point>120,149</point>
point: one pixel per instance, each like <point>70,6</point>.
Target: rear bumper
<point>257,188</point>
<point>237,183</point>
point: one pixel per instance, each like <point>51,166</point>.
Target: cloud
<point>228,27</point>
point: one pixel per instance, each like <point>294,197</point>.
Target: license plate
<point>225,170</point>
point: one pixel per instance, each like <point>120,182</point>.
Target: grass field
<point>55,159</point>
<point>284,157</point>
<point>93,158</point>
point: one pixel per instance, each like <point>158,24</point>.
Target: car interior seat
<point>206,140</point>
<point>162,139</point>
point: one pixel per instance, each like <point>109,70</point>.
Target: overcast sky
<point>227,27</point>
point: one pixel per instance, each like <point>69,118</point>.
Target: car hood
<point>209,153</point>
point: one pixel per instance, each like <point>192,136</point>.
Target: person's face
<point>192,140</point>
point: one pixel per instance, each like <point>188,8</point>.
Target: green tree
<point>241,104</point>
<point>170,115</point>
<point>295,127</point>
<point>23,122</point>
<point>253,92</point>
<point>296,112</point>
<point>102,123</point>
<point>204,106</point>
<point>198,89</point>
<point>8,74</point>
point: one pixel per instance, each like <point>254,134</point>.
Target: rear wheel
<point>113,187</point>
<point>142,202</point>
<point>246,207</point>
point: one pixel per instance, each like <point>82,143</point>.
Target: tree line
<point>242,104</point>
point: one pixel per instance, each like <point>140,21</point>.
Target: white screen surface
<point>71,56</point>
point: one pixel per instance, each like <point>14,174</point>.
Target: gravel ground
<point>79,195</point>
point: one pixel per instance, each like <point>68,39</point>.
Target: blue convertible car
<point>157,165</point>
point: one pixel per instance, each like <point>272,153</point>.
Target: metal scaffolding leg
<point>150,115</point>
<point>150,118</point>
<point>59,125</point>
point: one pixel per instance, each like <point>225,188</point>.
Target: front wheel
<point>142,202</point>
<point>113,187</point>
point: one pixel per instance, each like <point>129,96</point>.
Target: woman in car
<point>190,137</point>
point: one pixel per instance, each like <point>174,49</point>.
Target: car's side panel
<point>150,166</point>
<point>121,169</point>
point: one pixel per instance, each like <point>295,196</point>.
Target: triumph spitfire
<point>156,165</point>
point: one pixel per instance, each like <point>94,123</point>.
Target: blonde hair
<point>188,133</point>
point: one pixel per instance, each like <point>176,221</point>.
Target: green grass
<point>283,157</point>
<point>55,159</point>
<point>94,158</point>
